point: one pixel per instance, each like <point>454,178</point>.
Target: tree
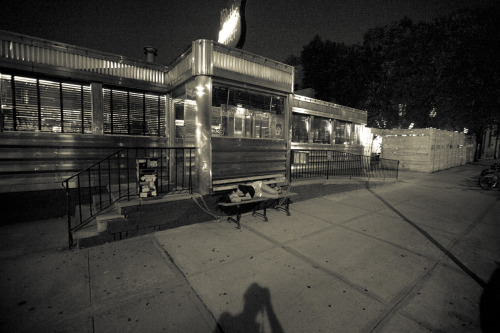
<point>328,68</point>
<point>444,73</point>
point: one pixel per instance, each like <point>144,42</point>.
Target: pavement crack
<point>195,297</point>
<point>434,241</point>
<point>315,264</point>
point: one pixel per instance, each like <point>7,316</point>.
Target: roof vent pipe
<point>150,53</point>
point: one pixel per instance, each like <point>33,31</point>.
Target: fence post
<point>349,165</point>
<point>128,176</point>
<point>161,170</point>
<point>68,201</point>
<point>109,181</point>
<point>90,191</point>
<point>99,184</point>
<point>119,175</point>
<point>190,172</point>
<point>368,165</point>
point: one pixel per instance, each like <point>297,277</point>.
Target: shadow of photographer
<point>257,315</point>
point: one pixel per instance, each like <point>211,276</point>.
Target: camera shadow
<point>257,316</point>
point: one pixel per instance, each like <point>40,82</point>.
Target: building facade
<point>65,107</point>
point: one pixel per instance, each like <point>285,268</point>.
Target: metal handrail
<point>332,163</point>
<point>102,183</point>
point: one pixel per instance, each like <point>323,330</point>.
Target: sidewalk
<point>413,256</point>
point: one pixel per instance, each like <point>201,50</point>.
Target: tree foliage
<point>333,70</point>
<point>444,73</point>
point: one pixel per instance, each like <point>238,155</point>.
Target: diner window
<point>300,128</point>
<point>356,134</point>
<point>133,113</point>
<point>179,119</point>
<point>322,129</point>
<point>342,132</point>
<point>246,114</point>
<point>31,104</point>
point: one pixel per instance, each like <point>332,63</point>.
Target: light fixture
<point>200,91</point>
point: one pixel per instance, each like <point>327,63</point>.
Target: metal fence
<point>94,189</point>
<point>309,164</point>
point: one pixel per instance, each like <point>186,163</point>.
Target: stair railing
<point>96,188</point>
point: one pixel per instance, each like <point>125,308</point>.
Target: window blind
<point>31,104</point>
<point>133,113</point>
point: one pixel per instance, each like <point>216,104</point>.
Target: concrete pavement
<point>413,256</point>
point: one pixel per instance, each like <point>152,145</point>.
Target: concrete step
<point>140,216</point>
<point>85,234</point>
<point>126,207</point>
<point>94,233</point>
<point>102,220</point>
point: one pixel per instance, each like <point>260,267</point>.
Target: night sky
<point>275,28</point>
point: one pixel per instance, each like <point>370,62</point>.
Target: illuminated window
<point>179,119</point>
<point>356,134</point>
<point>133,113</point>
<point>322,129</point>
<point>30,104</point>
<point>342,132</point>
<point>246,114</point>
<point>300,128</point>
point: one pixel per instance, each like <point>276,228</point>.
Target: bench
<point>232,183</point>
<point>272,180</point>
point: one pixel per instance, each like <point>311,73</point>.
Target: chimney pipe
<point>150,53</point>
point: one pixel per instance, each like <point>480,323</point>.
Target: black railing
<point>94,189</point>
<point>308,164</point>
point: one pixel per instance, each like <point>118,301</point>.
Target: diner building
<point>64,108</point>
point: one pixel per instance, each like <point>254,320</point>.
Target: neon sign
<point>232,24</point>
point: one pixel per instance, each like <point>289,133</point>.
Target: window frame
<point>45,105</point>
<point>131,112</point>
<point>246,113</point>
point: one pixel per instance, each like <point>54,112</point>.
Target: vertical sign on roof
<point>232,24</point>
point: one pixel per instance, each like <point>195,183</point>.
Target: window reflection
<point>356,135</point>
<point>31,104</point>
<point>300,128</point>
<point>322,129</point>
<point>342,132</point>
<point>179,119</point>
<point>246,114</point>
<point>133,113</point>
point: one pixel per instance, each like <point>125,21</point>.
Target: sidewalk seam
<point>205,311</point>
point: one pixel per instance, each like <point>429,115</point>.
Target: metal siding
<point>238,157</point>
